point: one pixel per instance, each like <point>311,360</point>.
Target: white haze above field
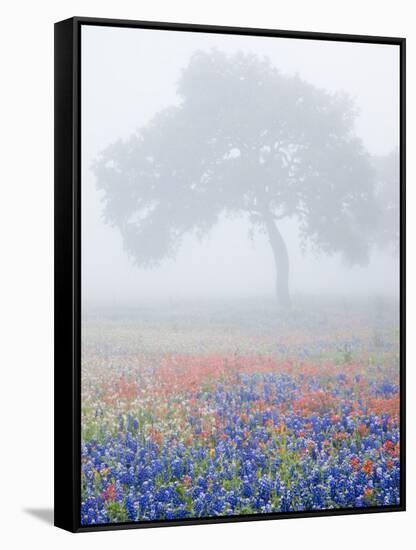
<point>129,75</point>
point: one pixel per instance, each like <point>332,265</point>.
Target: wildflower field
<point>195,411</point>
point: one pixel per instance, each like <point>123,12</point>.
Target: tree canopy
<point>388,195</point>
<point>243,139</point>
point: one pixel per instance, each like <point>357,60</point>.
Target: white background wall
<point>26,300</point>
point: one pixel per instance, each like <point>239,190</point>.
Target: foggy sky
<point>128,75</point>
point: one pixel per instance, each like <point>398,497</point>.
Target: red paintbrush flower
<point>110,493</point>
<point>368,467</point>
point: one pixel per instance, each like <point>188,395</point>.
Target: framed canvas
<point>229,274</point>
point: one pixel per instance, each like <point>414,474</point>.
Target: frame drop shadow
<point>42,514</point>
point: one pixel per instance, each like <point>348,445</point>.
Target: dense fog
<point>131,75</point>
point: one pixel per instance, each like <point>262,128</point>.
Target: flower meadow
<point>239,421</point>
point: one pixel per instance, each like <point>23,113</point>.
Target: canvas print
<point>240,217</point>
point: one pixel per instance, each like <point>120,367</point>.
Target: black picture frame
<point>67,383</point>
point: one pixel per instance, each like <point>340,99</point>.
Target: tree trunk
<point>281,261</point>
